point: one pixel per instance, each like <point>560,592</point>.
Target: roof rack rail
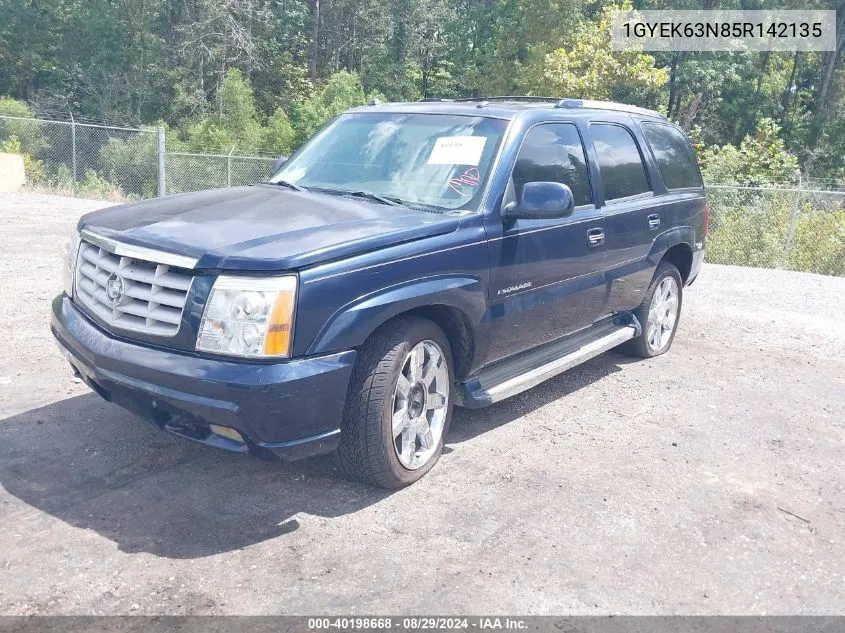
<point>608,105</point>
<point>523,98</point>
<point>558,102</point>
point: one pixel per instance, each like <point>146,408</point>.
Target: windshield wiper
<point>369,195</point>
<point>289,185</point>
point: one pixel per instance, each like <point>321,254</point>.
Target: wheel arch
<point>675,247</point>
<point>453,303</point>
<point>680,255</point>
<point>458,330</point>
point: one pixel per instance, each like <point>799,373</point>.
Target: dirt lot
<point>710,480</point>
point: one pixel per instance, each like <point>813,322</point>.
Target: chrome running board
<point>514,376</point>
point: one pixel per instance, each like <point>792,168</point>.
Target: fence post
<point>162,172</point>
<point>229,167</point>
<point>793,222</point>
<point>73,152</point>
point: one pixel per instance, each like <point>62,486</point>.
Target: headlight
<point>249,316</point>
<point>69,249</point>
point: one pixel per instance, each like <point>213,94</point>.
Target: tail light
<point>706,220</point>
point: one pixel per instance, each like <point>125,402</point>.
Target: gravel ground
<point>709,480</point>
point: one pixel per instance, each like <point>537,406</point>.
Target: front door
<point>546,276</point>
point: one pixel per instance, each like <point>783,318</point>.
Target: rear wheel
<point>658,314</point>
<point>399,405</point>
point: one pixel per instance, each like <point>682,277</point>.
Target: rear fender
<point>670,238</point>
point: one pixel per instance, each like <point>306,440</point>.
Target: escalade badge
<point>516,288</point>
<point>115,289</point>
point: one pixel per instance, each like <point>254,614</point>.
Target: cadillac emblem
<point>115,290</point>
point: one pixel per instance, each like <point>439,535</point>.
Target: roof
<point>507,107</point>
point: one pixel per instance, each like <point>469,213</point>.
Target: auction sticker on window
<point>457,150</point>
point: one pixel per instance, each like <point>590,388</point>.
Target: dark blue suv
<point>409,258</point>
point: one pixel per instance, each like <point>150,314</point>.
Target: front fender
<point>351,325</point>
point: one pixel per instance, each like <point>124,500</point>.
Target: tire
<point>383,385</point>
<point>648,344</point>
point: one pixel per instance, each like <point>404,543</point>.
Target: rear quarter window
<point>673,155</point>
<point>620,163</point>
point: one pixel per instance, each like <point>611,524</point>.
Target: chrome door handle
<point>653,222</point>
<point>595,237</point>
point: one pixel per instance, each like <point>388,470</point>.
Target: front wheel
<point>658,314</point>
<point>399,405</point>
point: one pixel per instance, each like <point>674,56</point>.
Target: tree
<point>235,124</point>
<point>135,62</point>
<point>278,135</point>
<point>29,134</point>
<point>588,68</point>
<point>760,159</point>
<point>342,91</point>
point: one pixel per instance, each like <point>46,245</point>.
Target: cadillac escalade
<point>411,257</point>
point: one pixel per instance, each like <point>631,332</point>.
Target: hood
<point>264,227</point>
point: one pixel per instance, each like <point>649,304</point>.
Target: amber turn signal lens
<point>277,339</point>
<point>225,431</point>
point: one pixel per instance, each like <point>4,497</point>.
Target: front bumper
<point>288,409</point>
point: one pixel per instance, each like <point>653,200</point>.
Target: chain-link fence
<point>84,160</point>
<point>195,172</point>
<point>796,228</point>
<point>112,163</point>
<point>776,227</point>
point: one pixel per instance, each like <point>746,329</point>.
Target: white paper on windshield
<point>457,150</point>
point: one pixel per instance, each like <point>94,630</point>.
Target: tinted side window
<point>620,164</point>
<point>673,156</point>
<point>553,152</point>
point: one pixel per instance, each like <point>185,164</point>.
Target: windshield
<point>430,161</point>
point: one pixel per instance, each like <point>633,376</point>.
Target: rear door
<point>628,202</point>
<point>681,200</point>
<point>546,276</point>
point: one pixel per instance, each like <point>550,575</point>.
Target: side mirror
<point>542,200</point>
<point>280,161</point>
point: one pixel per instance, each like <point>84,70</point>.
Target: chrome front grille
<point>129,293</point>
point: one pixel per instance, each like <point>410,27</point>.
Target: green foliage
<point>231,76</point>
<point>61,179</point>
<point>29,134</point>
<point>587,68</point>
<point>237,109</point>
<point>511,39</point>
<point>235,126</point>
<point>13,107</point>
<point>342,91</point>
<point>235,123</point>
<point>218,71</point>
<point>195,173</point>
<point>96,187</point>
<point>282,82</point>
<point>760,159</point>
<point>750,227</point>
<point>211,135</point>
<point>819,242</point>
<point>828,155</point>
<point>278,134</point>
<point>33,168</point>
<point>92,185</point>
<point>132,164</point>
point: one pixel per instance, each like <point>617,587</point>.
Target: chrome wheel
<point>662,314</point>
<point>420,404</point>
